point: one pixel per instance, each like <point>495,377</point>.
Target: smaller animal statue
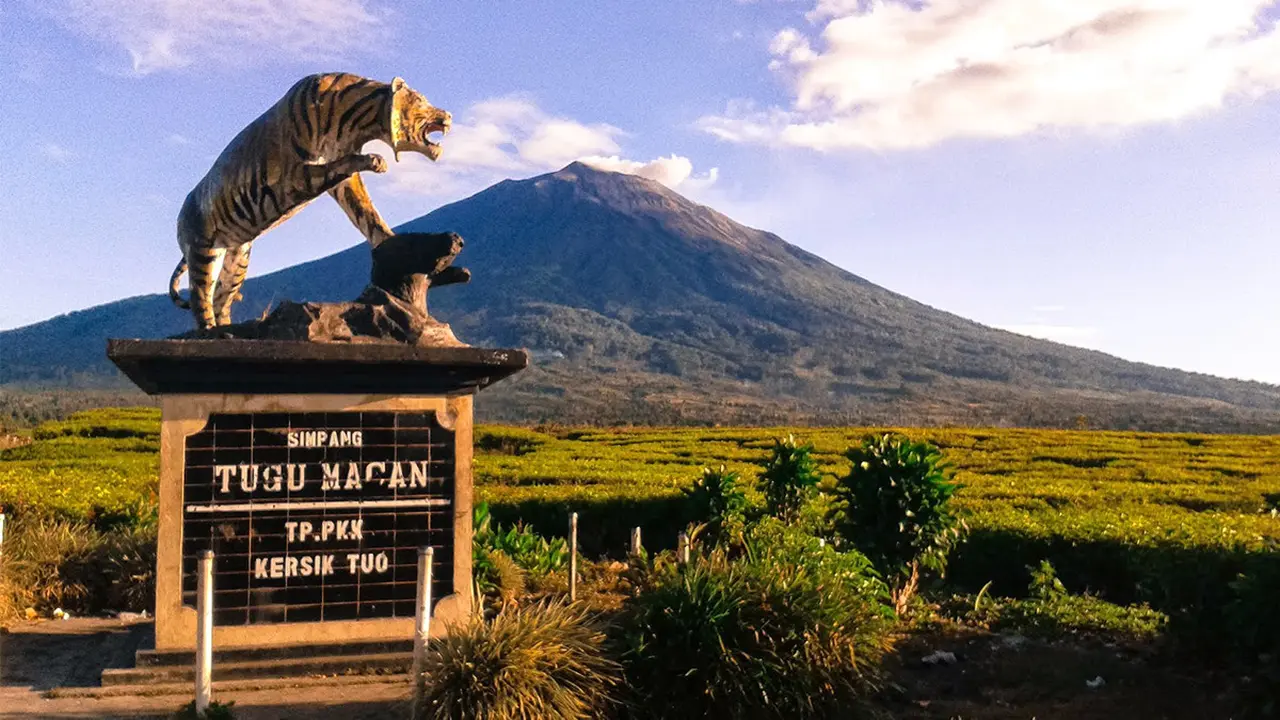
<point>305,145</point>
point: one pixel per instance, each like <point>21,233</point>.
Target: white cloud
<point>885,74</point>
<point>56,152</point>
<point>511,136</point>
<point>166,34</point>
<point>671,171</point>
<point>1069,334</point>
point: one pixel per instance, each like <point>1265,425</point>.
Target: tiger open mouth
<point>433,149</point>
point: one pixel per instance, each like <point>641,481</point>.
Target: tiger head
<point>413,119</point>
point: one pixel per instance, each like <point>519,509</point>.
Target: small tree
<point>790,479</point>
<point>895,507</point>
<point>717,498</point>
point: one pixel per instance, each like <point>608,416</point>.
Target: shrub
<point>530,551</point>
<point>790,478</point>
<point>57,564</point>
<point>894,505</point>
<point>716,498</point>
<point>1045,584</point>
<point>541,661</point>
<point>753,638</point>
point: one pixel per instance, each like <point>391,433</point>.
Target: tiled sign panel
<point>317,516</point>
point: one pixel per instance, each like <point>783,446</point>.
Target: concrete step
<point>277,667</point>
<point>186,688</point>
<point>163,658</point>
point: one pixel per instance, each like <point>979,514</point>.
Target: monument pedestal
<point>314,471</point>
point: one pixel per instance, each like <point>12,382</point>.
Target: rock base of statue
<point>375,317</point>
<point>392,309</point>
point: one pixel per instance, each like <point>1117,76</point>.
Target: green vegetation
<point>895,506</point>
<point>1146,536</point>
<point>537,661</point>
<point>749,636</point>
<point>99,467</point>
<point>790,479</point>
<point>717,497</point>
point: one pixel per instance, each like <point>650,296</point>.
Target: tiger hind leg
<point>203,266</point>
<point>235,265</point>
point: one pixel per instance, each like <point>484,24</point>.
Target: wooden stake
<point>682,548</point>
<point>635,541</point>
<point>422,626</point>
<point>1,535</point>
<point>573,557</point>
<point>204,632</point>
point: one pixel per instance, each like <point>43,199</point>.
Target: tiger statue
<point>307,144</point>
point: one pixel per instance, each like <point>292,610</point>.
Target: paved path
<point>37,657</point>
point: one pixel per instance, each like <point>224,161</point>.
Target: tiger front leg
<point>319,179</point>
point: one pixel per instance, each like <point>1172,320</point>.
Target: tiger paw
<point>376,163</point>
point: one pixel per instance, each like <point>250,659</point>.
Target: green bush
<point>753,637</point>
<point>894,506</point>
<point>790,478</point>
<point>545,661</point>
<point>717,499</point>
<point>530,551</point>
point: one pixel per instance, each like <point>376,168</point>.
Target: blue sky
<point>1105,173</point>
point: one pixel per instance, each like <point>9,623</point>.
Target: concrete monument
<point>314,450</point>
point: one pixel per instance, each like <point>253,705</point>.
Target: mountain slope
<point>642,305</point>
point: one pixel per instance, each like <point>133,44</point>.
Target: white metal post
<point>422,626</point>
<point>635,541</point>
<point>204,631</point>
<point>573,557</point>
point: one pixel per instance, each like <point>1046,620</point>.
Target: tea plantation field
<point>1169,519</point>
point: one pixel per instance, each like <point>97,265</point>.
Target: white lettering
<point>326,529</point>
<point>224,473</point>
<point>289,527</point>
<point>353,561</point>
<point>418,473</point>
<point>304,530</point>
<point>326,438</point>
<point>248,478</point>
<point>353,477</point>
<point>272,478</point>
<point>277,567</point>
<point>397,476</point>
<point>330,476</point>
<point>297,471</point>
<point>259,568</point>
<point>369,475</point>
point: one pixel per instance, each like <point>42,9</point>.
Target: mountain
<point>642,306</point>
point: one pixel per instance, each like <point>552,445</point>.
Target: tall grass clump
<point>789,479</point>
<point>50,564</point>
<point>537,662</point>
<point>895,507</point>
<point>751,638</point>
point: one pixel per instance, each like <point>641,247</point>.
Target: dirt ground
<point>991,676</point>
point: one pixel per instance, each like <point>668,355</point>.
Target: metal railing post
<point>204,631</point>
<point>422,626</point>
